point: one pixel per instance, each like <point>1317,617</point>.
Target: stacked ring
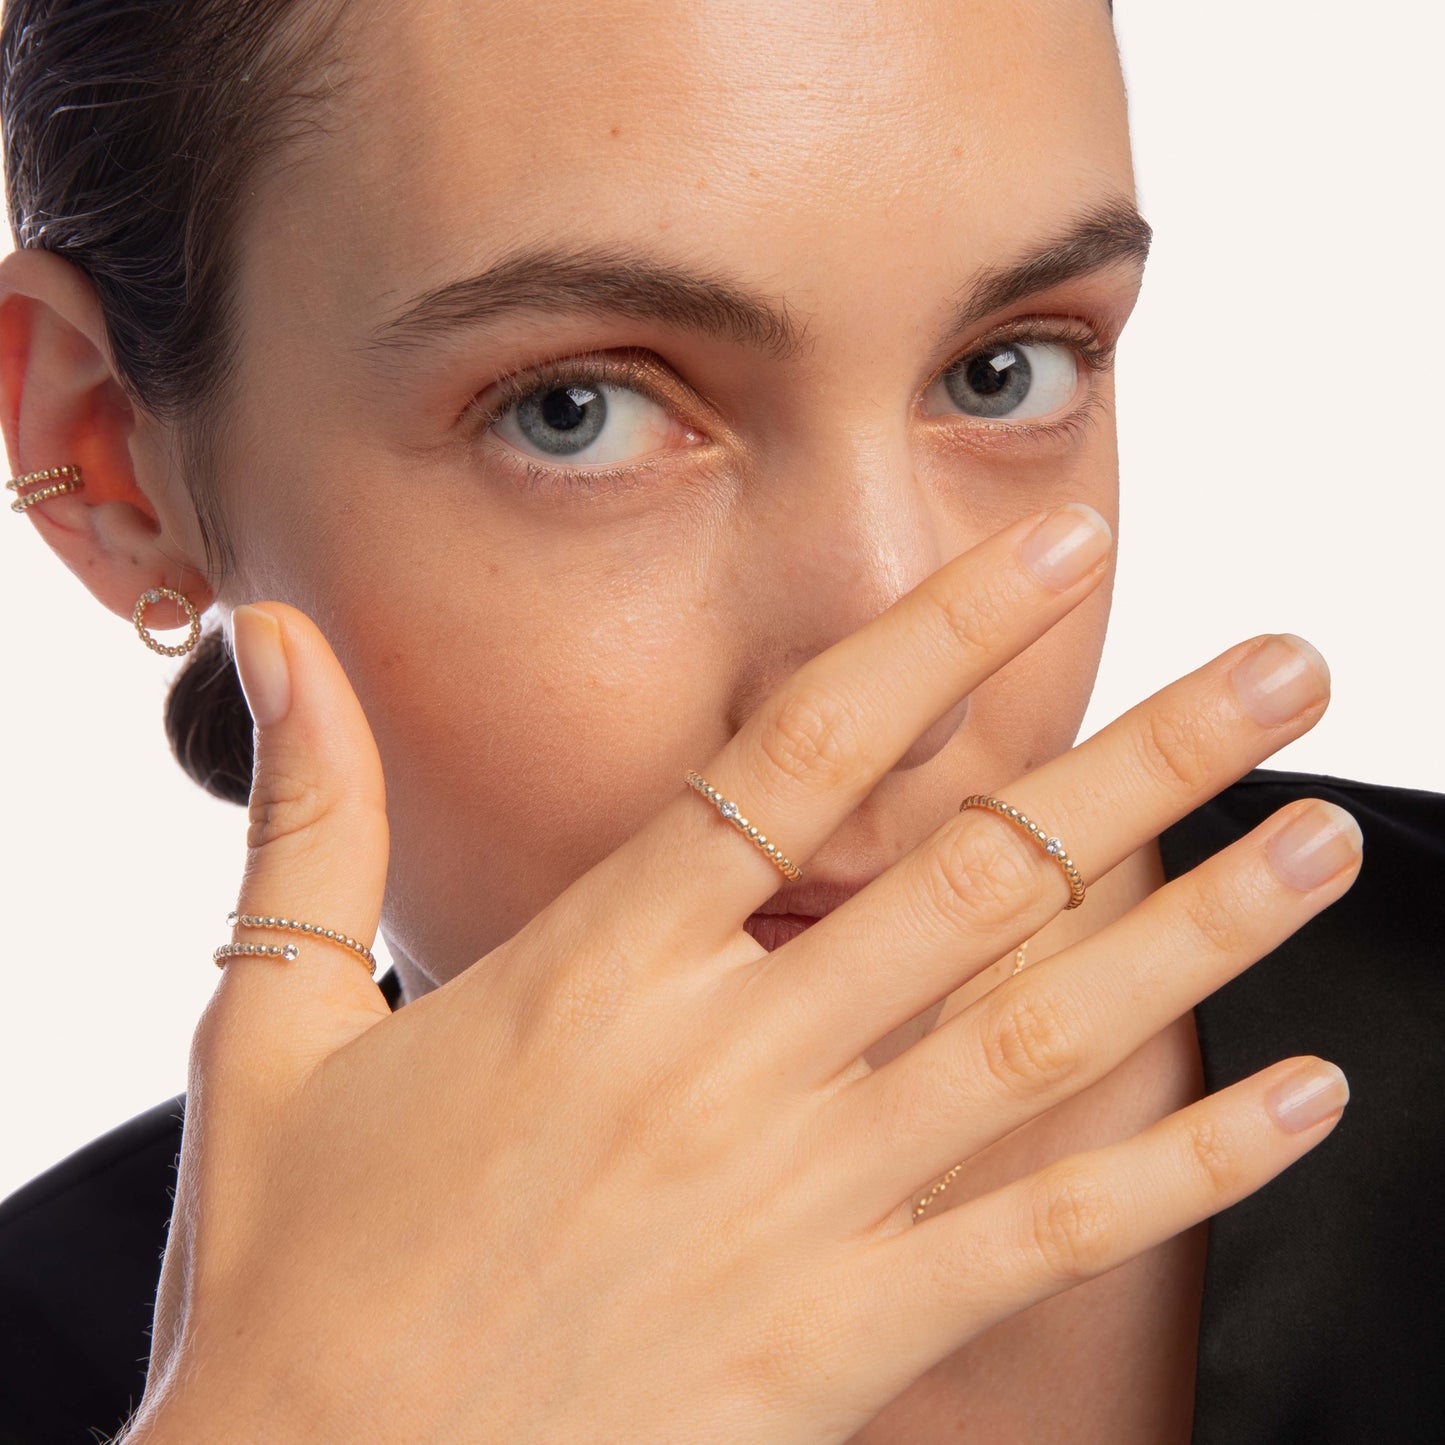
<point>288,950</point>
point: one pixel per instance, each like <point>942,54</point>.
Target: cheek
<point>535,704</point>
<point>521,745</point>
<point>518,758</point>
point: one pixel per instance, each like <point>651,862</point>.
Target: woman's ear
<point>131,526</point>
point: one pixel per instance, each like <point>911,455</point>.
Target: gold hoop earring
<point>154,594</point>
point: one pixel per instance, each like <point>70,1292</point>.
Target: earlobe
<point>128,527</point>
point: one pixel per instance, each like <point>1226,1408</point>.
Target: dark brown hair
<point>131,130</point>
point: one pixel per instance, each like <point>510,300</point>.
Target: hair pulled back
<point>131,130</point>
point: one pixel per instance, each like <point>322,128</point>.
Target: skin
<point>862,164</point>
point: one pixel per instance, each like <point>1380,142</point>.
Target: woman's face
<point>769,252</point>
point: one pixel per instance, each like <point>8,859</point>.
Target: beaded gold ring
<point>1052,846</point>
<point>61,479</point>
<point>287,950</point>
<point>258,950</point>
<point>154,594</point>
<point>733,814</point>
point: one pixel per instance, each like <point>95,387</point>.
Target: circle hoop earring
<point>154,594</point>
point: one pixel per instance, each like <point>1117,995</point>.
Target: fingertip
<point>261,663</point>
<point>1308,1094</point>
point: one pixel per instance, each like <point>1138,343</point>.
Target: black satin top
<point>1323,1318</point>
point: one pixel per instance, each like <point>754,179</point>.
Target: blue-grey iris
<point>562,420</point>
<point>994,382</point>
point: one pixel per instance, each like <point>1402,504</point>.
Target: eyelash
<point>629,369</point>
<point>619,369</point>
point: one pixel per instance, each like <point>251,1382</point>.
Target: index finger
<point>819,744</point>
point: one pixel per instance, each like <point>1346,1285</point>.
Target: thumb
<point>317,853</point>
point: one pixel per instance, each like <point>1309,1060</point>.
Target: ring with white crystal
<point>750,831</point>
<point>1052,846</point>
<point>287,951</point>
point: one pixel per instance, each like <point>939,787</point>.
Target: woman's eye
<point>587,421</point>
<point>1011,381</point>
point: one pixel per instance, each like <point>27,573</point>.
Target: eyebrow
<point>617,281</point>
<point>1112,234</point>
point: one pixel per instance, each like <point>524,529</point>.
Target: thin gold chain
<point>952,1173</point>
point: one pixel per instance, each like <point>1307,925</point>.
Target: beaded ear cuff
<point>54,479</point>
<point>51,482</point>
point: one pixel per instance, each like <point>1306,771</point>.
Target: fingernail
<point>1311,848</point>
<point>1280,679</point>
<point>261,663</point>
<point>1067,545</point>
<point>1308,1096</point>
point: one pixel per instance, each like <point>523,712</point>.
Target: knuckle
<point>1174,748</point>
<point>676,1102</point>
<point>1215,918</point>
<point>1074,1225</point>
<point>973,618</point>
<point>979,873</point>
<point>1214,1156</point>
<point>798,1341</point>
<point>585,998</point>
<point>208,1037</point>
<point>1029,1046</point>
<point>812,739</point>
<point>283,805</point>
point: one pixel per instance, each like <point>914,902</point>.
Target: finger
<point>981,884</point>
<point>316,853</point>
<point>931,1287</point>
<point>1063,1023</point>
<point>817,746</point>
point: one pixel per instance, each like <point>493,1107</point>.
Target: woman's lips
<point>772,929</point>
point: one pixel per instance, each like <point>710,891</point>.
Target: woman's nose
<point>839,550</point>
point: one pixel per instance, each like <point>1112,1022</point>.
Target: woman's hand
<point>628,1176</point>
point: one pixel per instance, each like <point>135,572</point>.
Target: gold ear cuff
<point>55,480</point>
<point>59,479</point>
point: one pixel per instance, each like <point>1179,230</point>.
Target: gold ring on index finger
<point>730,810</point>
<point>822,741</point>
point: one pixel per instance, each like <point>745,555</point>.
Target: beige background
<point>1280,401</point>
